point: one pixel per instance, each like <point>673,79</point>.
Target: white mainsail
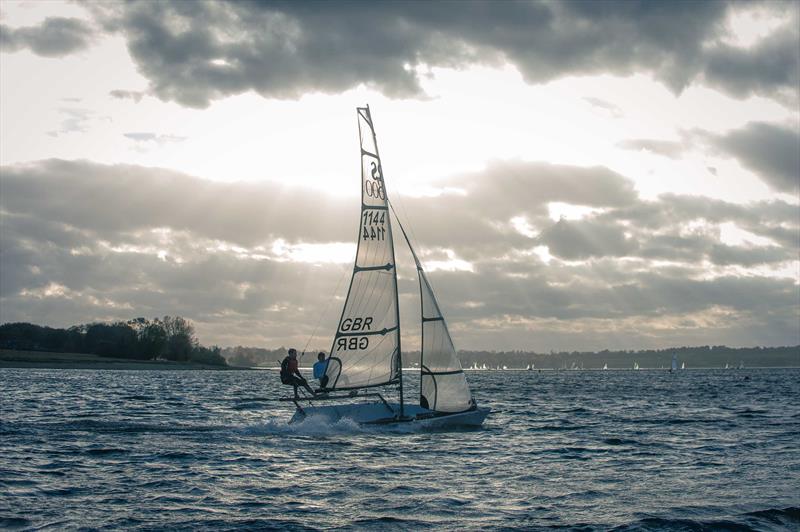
<point>366,348</point>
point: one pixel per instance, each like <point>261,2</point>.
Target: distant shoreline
<point>10,358</point>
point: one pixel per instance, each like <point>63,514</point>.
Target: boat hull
<point>387,414</point>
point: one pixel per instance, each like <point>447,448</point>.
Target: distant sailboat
<point>741,365</point>
<point>683,365</point>
<point>635,365</point>
<point>605,366</point>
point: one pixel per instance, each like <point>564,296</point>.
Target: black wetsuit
<point>291,375</point>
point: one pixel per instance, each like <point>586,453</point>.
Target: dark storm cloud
<point>55,37</point>
<point>81,241</point>
<point>771,151</point>
<point>769,67</point>
<point>195,52</point>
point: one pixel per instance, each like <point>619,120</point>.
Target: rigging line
<point>327,306</point>
<point>411,247</point>
<point>405,235</point>
<point>400,204</point>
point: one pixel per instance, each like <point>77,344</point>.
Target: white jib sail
<point>366,346</point>
<point>443,385</point>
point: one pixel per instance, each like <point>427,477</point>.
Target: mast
<point>396,296</point>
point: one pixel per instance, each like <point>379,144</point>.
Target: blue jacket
<point>319,368</point>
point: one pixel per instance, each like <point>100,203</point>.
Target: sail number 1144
<point>374,225</point>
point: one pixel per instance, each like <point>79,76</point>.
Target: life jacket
<point>286,374</point>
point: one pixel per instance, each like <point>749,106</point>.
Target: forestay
<point>366,347</point>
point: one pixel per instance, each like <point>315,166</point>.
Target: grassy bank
<point>40,359</point>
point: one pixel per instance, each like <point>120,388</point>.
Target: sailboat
<point>366,355</point>
<point>605,366</point>
<point>635,365</point>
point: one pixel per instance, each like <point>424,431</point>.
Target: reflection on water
<point>140,449</point>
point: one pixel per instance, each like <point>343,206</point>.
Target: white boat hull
<point>381,414</point>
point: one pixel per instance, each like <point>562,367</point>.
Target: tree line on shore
<point>168,338</point>
<point>173,338</point>
<point>706,356</point>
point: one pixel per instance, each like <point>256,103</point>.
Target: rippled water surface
<point>196,450</point>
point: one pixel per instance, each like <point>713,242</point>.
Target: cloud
<point>771,151</point>
<point>770,67</point>
<point>55,37</point>
<point>153,137</point>
<point>666,148</point>
<point>583,239</point>
<point>143,140</point>
<point>136,96</point>
<point>607,107</point>
<point>129,199</point>
<point>76,120</point>
<point>254,263</point>
<point>287,49</point>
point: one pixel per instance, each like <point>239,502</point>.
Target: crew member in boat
<point>320,367</point>
<point>290,373</point>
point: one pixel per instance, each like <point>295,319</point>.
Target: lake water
<point>198,450</point>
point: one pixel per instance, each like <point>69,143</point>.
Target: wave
<point>621,441</point>
<point>322,425</point>
<point>778,519</point>
<point>105,451</point>
<point>126,427</point>
<point>11,523</point>
<point>310,426</point>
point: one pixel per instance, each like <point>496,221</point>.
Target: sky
<point>573,175</point>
